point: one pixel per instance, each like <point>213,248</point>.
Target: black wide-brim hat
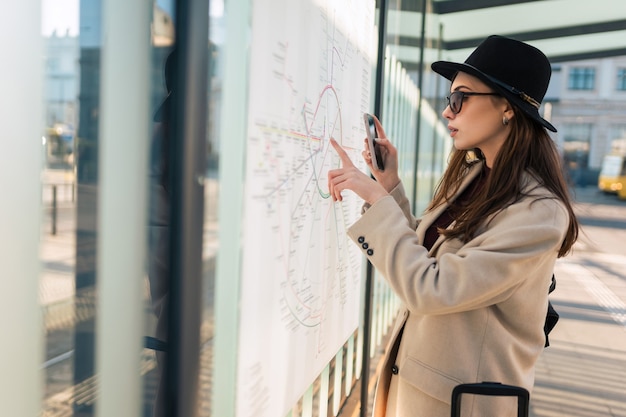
<point>518,71</point>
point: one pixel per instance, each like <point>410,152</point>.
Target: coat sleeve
<point>520,240</point>
<point>399,196</point>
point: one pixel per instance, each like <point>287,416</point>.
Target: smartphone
<point>372,134</point>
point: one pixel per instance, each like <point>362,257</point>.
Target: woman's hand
<point>349,177</point>
<point>388,178</point>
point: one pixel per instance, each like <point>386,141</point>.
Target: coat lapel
<point>430,216</point>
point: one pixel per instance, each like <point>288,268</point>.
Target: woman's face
<point>479,123</point>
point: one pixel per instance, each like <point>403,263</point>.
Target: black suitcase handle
<point>494,389</point>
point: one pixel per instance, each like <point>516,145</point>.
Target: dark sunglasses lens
<point>456,99</point>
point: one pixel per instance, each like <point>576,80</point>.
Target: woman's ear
<point>509,112</point>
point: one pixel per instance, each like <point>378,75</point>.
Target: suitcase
<point>493,389</point>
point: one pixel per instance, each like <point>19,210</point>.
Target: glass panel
<point>421,142</point>
<point>163,43</point>
<point>67,286</point>
<point>70,194</point>
<point>211,203</point>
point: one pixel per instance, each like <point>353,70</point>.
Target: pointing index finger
<point>343,155</point>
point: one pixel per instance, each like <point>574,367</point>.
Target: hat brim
<point>450,69</point>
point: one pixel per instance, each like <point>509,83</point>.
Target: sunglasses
<point>455,100</point>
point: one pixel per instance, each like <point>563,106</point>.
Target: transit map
<point>310,80</point>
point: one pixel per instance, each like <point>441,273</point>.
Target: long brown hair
<point>528,149</point>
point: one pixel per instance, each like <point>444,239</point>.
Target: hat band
<point>528,99</point>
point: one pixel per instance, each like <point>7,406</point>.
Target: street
<point>582,372</point>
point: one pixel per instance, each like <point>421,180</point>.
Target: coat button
<point>361,239</point>
<point>394,370</point>
<point>365,245</point>
<point>370,252</point>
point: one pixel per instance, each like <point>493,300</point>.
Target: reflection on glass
<point>159,208</point>
<point>158,230</point>
<point>70,181</point>
<point>65,305</point>
<point>68,284</point>
<point>211,188</point>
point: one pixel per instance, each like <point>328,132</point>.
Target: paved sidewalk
<point>583,372</point>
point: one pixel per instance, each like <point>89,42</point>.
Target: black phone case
<point>492,389</point>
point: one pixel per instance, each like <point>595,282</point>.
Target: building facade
<point>588,107</point>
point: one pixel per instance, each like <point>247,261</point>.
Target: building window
<point>52,64</point>
<point>621,79</point>
<point>582,78</point>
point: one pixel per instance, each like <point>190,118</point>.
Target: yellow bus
<point>612,177</point>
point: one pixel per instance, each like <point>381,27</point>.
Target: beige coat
<point>472,311</point>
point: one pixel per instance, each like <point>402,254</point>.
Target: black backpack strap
<point>552,317</point>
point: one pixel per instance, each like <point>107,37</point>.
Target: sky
<point>59,15</point>
<point>63,15</point>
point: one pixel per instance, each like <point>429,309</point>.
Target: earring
<point>505,121</point>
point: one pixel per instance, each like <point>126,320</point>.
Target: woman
<point>474,271</point>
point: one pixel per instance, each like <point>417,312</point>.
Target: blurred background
<point>259,304</point>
